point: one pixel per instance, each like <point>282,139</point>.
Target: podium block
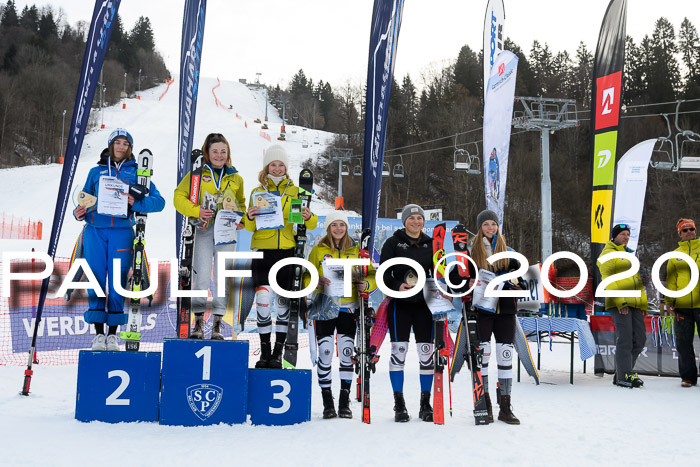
<point>279,397</point>
<point>204,382</point>
<point>118,386</point>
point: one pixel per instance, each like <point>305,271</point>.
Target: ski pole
<point>449,383</point>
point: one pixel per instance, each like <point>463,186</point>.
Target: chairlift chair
<point>344,170</point>
<point>304,141</point>
<point>357,171</point>
<point>386,170</point>
<point>317,140</point>
<point>398,171</point>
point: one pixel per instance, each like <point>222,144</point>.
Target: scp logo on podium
<point>204,399</point>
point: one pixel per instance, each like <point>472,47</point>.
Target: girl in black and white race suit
<point>412,312</point>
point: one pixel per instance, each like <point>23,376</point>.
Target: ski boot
<point>400,412</point>
<point>328,409</point>
<point>489,408</point>
<point>216,329</point>
<point>426,411</point>
<point>198,331</point>
<point>276,360</point>
<point>265,355</point>
<point>344,404</point>
<point>506,412</point>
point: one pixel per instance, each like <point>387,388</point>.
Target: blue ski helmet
<point>120,132</point>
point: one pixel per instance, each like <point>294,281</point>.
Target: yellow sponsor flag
<point>601,210</point>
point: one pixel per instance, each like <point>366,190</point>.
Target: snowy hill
<point>153,124</point>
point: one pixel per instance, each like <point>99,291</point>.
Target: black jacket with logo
<point>400,245</point>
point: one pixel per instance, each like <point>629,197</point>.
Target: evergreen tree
<point>47,25</point>
<point>541,62</point>
<point>141,35</point>
<point>689,45</point>
<point>467,71</point>
<point>664,73</point>
<point>30,18</point>
<point>635,85</point>
<point>9,16</point>
<point>582,76</point>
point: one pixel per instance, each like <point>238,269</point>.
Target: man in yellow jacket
<point>627,312</point>
<point>686,309</point>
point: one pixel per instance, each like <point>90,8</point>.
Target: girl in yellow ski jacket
<point>337,243</point>
<point>221,188</point>
<point>276,244</point>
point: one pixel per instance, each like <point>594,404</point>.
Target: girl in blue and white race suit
<point>107,237</point>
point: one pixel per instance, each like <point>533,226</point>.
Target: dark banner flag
<point>383,43</point>
<point>101,26</point>
<point>190,61</point>
<point>606,100</point>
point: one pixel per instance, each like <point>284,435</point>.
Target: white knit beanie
<point>336,216</point>
<point>276,153</point>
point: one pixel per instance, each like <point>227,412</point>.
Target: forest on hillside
<point>429,120</point>
<point>40,59</point>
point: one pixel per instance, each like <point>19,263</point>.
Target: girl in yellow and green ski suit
<point>221,188</point>
<point>337,243</point>
<point>276,245</point>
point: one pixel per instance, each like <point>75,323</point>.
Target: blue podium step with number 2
<point>118,386</point>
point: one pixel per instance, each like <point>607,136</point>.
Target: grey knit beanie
<point>486,215</point>
<point>409,210</point>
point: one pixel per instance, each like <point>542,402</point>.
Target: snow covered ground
<point>588,423</point>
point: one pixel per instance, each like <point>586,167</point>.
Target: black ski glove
<point>138,191</point>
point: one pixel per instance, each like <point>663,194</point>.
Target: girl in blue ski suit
<point>108,237</point>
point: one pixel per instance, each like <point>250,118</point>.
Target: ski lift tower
<point>341,155</point>
<point>546,116</point>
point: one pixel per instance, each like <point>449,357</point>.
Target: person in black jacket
<point>501,324</point>
<point>412,312</point>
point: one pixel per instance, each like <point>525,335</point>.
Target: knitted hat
<point>336,216</point>
<point>276,153</point>
<point>619,228</point>
<point>486,215</point>
<point>685,224</point>
<point>409,210</point>
<point>120,132</point>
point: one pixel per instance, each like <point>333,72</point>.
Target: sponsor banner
<point>605,145</point>
<point>608,79</point>
<point>659,356</point>
<point>493,36</point>
<point>498,116</point>
<point>384,40</point>
<point>600,219</point>
<point>608,96</point>
<point>190,61</point>
<point>103,20</point>
<point>630,188</point>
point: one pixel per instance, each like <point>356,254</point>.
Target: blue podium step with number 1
<point>204,382</point>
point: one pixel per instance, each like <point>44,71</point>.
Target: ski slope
<point>153,124</point>
<point>588,423</point>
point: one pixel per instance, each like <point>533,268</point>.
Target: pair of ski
<point>365,358</point>
<point>470,351</point>
<point>467,345</point>
<point>139,265</point>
